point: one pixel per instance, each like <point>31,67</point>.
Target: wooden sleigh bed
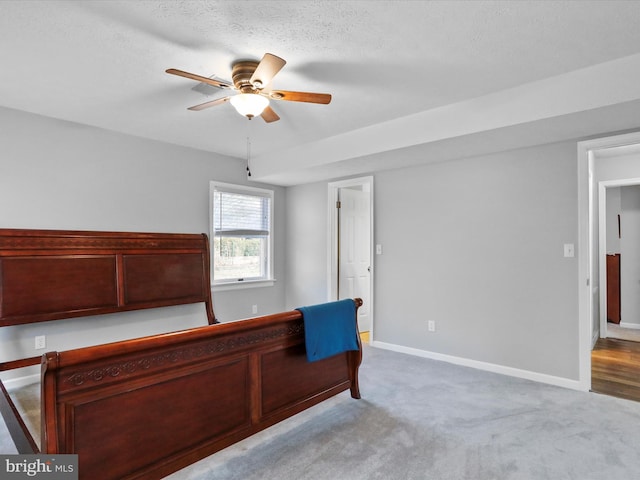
<point>146,407</point>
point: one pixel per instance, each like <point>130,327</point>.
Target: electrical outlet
<point>254,309</point>
<point>431,325</point>
<point>40,342</point>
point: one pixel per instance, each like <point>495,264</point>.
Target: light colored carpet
<point>422,419</point>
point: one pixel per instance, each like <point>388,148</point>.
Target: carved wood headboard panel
<point>50,274</point>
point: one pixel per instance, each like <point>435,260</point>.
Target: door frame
<point>588,257</point>
<point>602,242</point>
<point>332,240</point>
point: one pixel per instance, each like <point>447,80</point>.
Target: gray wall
<point>474,244</point>
<point>611,216</point>
<point>307,248</point>
<point>630,257</point>
<point>61,175</point>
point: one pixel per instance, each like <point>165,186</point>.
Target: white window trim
<point>220,287</point>
<point>245,189</point>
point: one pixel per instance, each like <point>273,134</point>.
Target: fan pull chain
<point>248,147</point>
<point>248,156</point>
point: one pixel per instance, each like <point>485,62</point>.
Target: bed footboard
<point>147,407</point>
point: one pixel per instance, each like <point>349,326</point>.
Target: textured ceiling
<point>396,69</point>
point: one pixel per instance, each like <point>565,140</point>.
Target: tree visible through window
<point>241,233</point>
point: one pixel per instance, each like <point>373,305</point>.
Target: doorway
<point>351,246</point>
<point>604,159</point>
<point>619,258</point>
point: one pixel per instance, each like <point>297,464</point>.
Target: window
<point>241,238</point>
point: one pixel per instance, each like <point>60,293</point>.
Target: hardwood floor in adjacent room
<point>615,368</point>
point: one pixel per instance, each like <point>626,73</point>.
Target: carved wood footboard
<point>148,407</point>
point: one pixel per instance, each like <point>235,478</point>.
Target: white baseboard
<point>18,382</point>
<point>633,326</point>
<point>594,339</point>
<point>489,367</point>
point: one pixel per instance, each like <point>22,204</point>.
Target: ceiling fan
<point>251,79</point>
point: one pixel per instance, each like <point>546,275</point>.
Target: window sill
<point>220,287</point>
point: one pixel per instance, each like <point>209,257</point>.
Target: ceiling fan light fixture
<point>249,104</point>
<point>251,80</point>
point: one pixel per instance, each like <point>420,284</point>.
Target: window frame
<point>268,279</point>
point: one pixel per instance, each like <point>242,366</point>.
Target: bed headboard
<point>51,274</point>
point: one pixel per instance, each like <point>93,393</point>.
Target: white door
<point>354,250</point>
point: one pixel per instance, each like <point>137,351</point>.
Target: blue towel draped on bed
<point>329,328</point>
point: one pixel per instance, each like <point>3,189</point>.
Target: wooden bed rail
<point>256,329</point>
<point>23,362</point>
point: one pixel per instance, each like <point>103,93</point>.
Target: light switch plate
<point>568,250</point>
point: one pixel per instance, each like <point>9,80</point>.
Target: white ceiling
<point>436,79</point>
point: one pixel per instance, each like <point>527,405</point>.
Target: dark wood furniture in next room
<point>613,288</point>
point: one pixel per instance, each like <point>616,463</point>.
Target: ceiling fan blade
<point>268,115</point>
<point>323,98</point>
<point>266,70</point>
<point>198,78</point>
<point>212,103</point>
